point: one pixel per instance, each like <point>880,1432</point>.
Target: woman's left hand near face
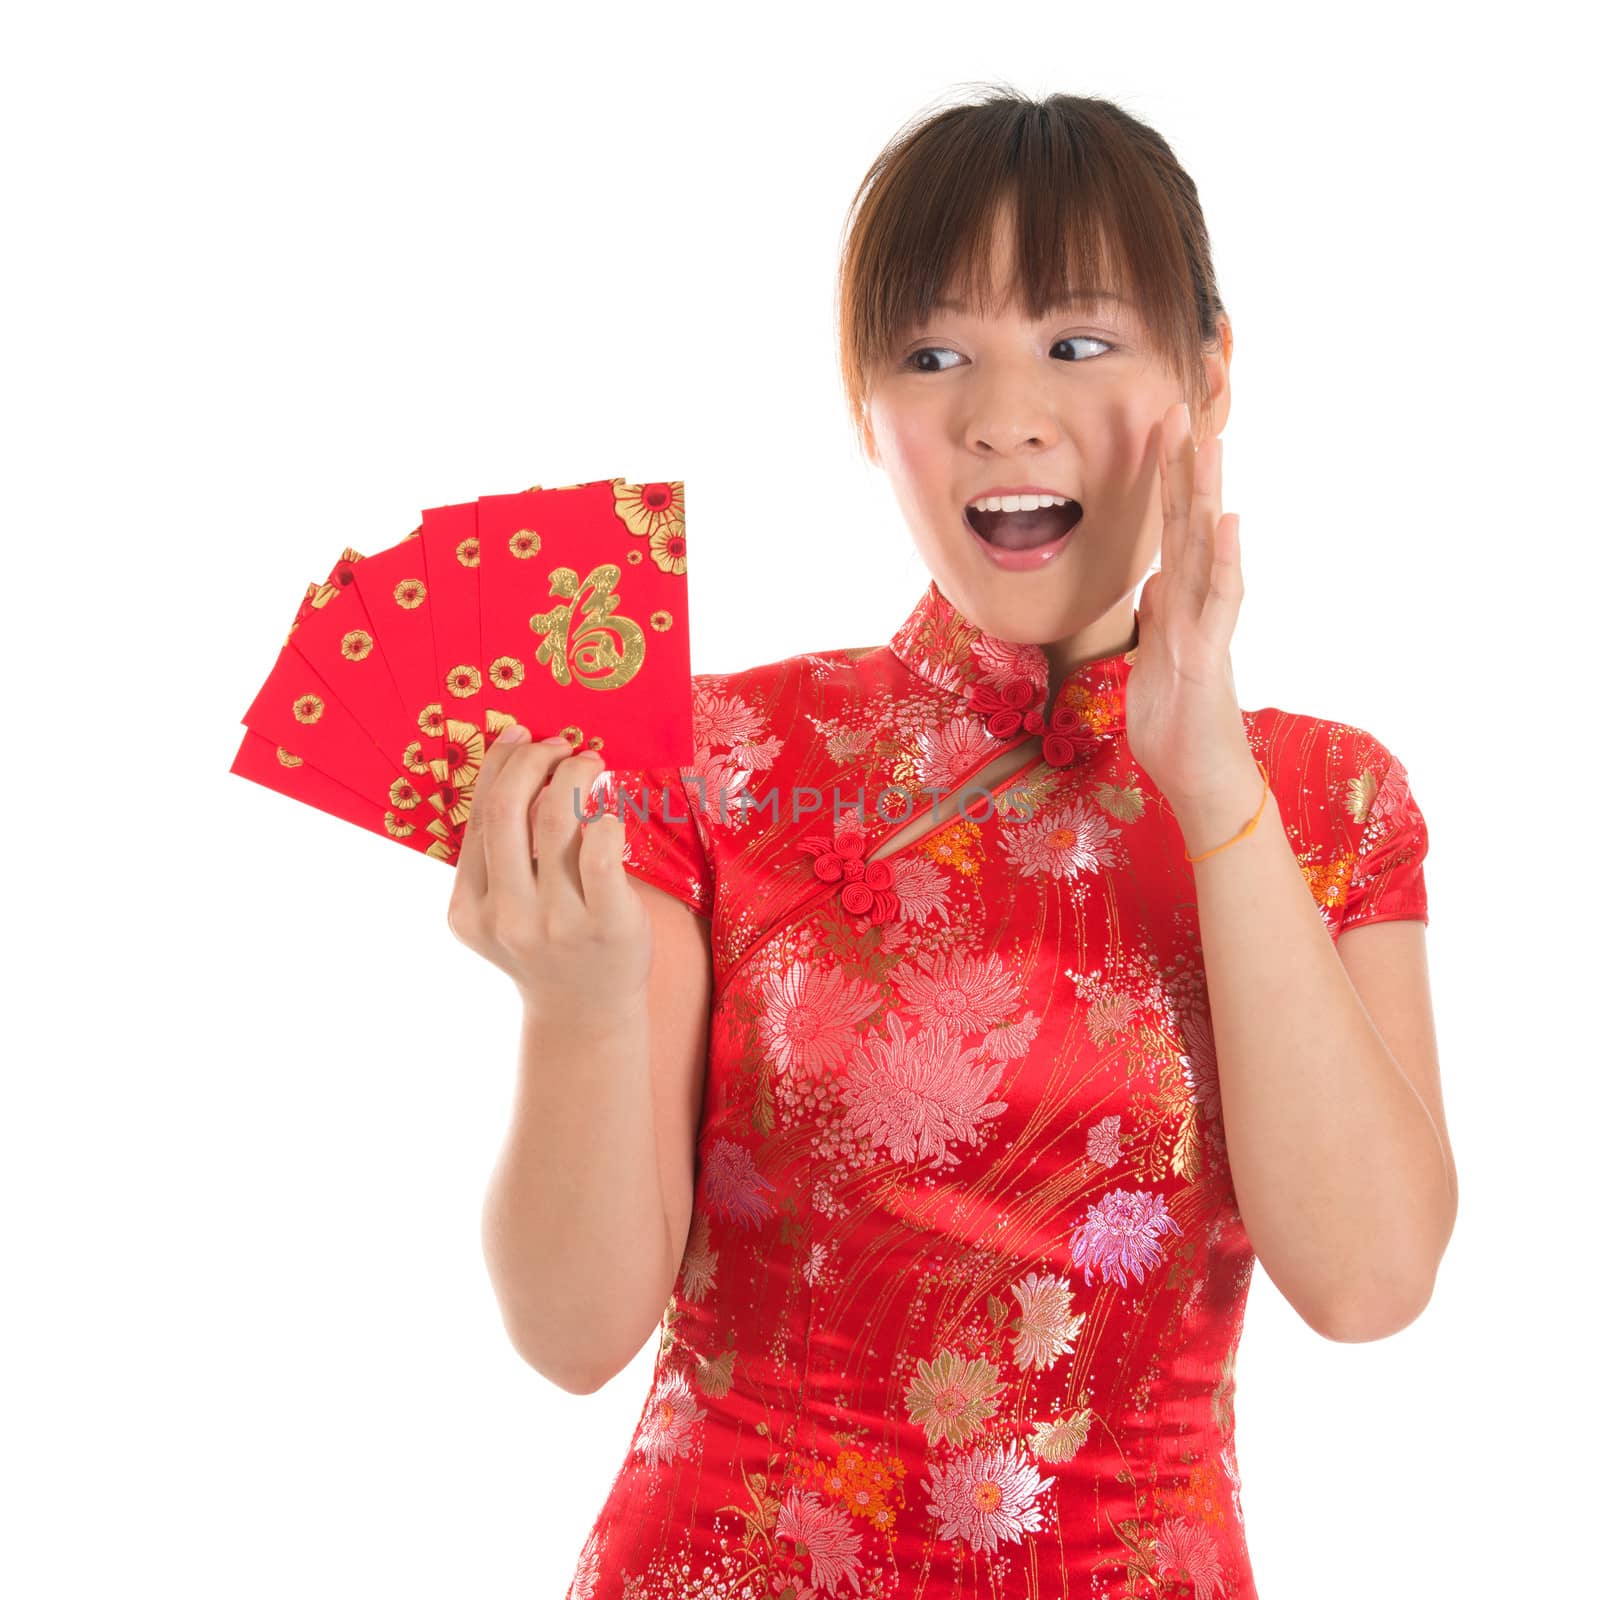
<point>1183,719</point>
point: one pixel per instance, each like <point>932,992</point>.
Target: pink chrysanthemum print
<point>758,756</point>
<point>940,673</point>
<point>813,1262</point>
<point>1200,1052</point>
<point>959,993</point>
<point>1046,1325</point>
<point>1105,1141</point>
<point>1185,1550</point>
<point>1010,1041</point>
<point>1392,799</point>
<point>1230,1466</point>
<point>921,888</point>
<point>666,1431</point>
<point>809,1022</point>
<point>1121,1235</point>
<point>719,780</point>
<point>948,751</point>
<point>962,1259</point>
<point>734,1187</point>
<point>822,1533</point>
<point>1064,841</point>
<point>583,1580</point>
<point>917,1095</point>
<point>985,1496</point>
<point>722,719</point>
<point>1002,660</point>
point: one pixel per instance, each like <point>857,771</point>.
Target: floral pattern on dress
<point>965,1277</point>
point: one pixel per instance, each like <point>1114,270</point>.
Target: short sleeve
<point>665,841</point>
<point>1385,835</point>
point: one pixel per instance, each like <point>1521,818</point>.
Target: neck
<point>1114,634</point>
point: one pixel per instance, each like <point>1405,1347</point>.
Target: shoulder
<point>1298,746</point>
<point>763,711</point>
<point>765,737</point>
<point>1345,798</point>
<point>1325,756</point>
<point>789,674</point>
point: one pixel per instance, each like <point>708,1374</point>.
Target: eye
<point>933,349</point>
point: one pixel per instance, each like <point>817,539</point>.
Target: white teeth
<point>1016,502</point>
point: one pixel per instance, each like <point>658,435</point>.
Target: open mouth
<point>1025,530</point>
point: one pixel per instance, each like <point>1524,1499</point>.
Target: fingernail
<point>554,738</point>
<point>514,734</point>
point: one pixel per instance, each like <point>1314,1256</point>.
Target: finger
<point>507,856</point>
<point>1148,613</point>
<point>1177,486</point>
<point>1204,508</point>
<point>556,825</point>
<point>605,885</point>
<point>470,867</point>
<point>1225,592</point>
<point>1167,540</point>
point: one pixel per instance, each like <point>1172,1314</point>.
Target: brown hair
<point>1102,203</point>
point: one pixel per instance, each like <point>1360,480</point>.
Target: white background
<point>282,276</point>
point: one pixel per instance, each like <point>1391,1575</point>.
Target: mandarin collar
<point>1006,683</point>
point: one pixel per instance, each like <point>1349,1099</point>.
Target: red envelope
<point>274,767</point>
<point>564,609</point>
<point>331,707</point>
<point>585,616</point>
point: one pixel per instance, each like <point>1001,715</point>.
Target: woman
<point>910,1110</point>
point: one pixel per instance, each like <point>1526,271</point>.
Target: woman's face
<point>1073,403</point>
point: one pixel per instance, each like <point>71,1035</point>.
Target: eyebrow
<point>1082,297</point>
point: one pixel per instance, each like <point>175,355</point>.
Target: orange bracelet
<point>1247,829</point>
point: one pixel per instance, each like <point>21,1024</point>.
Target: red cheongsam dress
<point>965,1277</point>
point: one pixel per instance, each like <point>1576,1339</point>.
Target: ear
<point>1219,392</point>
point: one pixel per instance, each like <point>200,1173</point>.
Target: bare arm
<point>588,1209</point>
<point>1330,1083</point>
<point>587,1213</point>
